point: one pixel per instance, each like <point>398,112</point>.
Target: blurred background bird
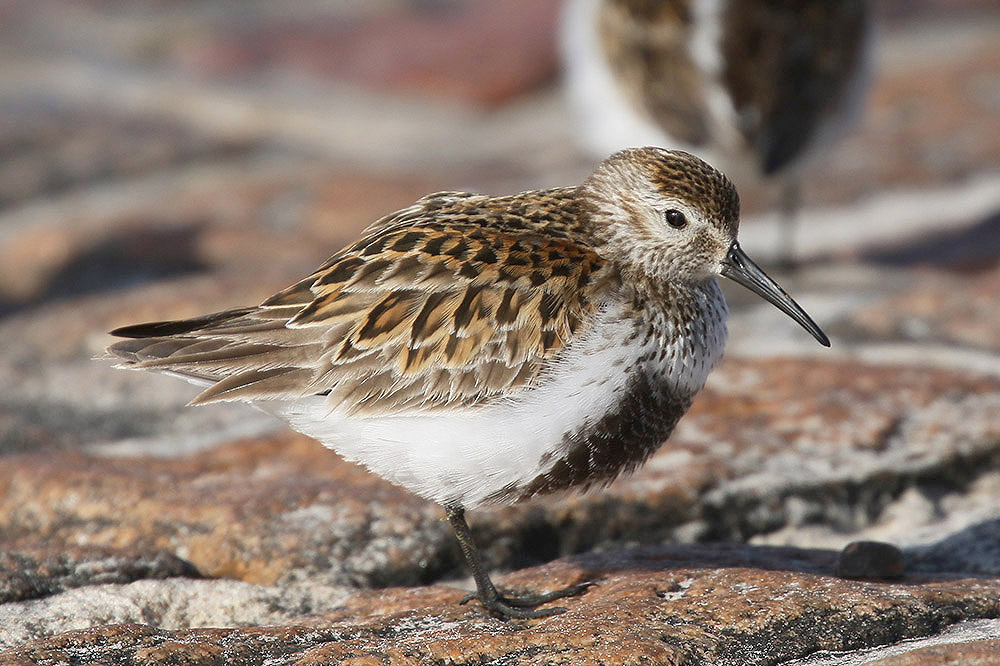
<point>755,87</point>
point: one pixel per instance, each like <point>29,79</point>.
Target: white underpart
<point>607,119</point>
<point>705,49</point>
<point>464,456</point>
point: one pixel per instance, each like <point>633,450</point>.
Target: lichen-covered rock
<point>683,605</point>
<point>174,603</point>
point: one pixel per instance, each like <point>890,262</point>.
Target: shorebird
<point>479,350</point>
<point>756,87</point>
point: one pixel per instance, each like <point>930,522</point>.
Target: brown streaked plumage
<point>448,303</point>
<point>646,45</point>
<point>488,349</point>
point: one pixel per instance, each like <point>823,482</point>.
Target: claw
<point>530,600</point>
<point>500,605</point>
<point>508,607</point>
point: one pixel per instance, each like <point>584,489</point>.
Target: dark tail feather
<point>178,327</point>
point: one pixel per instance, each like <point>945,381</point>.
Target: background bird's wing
<point>656,66</point>
<point>789,69</point>
<point>432,308</point>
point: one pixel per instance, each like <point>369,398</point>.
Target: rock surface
<point>283,508</point>
<point>43,571</point>
<point>683,605</point>
<point>184,157</point>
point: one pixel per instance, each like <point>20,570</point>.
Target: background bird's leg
<point>788,217</point>
<point>500,605</point>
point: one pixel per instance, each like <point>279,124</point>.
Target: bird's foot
<point>506,606</point>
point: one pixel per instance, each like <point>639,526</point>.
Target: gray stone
<point>167,604</point>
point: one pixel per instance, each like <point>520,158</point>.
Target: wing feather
<point>450,302</point>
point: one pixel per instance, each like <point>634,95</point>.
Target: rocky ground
<point>162,160</point>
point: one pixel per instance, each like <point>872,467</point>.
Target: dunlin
<point>754,86</point>
<point>480,350</point>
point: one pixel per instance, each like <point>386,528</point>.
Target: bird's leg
<point>791,202</point>
<point>500,605</point>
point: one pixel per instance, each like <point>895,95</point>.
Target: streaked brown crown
<point>627,198</point>
<point>672,174</point>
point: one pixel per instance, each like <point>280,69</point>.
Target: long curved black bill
<point>738,267</point>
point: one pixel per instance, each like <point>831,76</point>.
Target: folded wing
<point>440,305</point>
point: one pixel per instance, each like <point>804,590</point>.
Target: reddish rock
<point>481,52</point>
<point>260,511</point>
<point>651,606</point>
<point>938,307</point>
<point>852,437</point>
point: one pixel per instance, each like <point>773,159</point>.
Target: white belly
<point>462,457</point>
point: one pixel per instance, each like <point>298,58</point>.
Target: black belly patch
<point>610,445</point>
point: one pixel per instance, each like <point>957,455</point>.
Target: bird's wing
<point>419,314</point>
<point>789,71</point>
<point>656,66</point>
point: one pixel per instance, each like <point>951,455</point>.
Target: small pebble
<point>870,559</point>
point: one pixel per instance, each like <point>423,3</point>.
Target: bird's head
<point>668,216</point>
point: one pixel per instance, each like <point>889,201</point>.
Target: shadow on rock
<point>971,249</point>
<point>125,259</point>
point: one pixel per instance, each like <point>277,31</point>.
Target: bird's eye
<point>675,218</point>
